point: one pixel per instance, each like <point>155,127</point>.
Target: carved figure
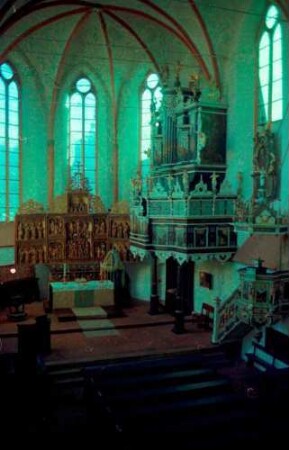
<point>103,227</point>
<point>41,255</point>
<point>22,256</point>
<point>96,228</point>
<point>20,231</point>
<point>26,231</point>
<point>126,230</point>
<point>32,230</point>
<point>214,178</point>
<point>272,176</point>
<point>51,227</point>
<point>170,183</point>
<point>114,229</point>
<point>186,182</point>
<point>119,230</point>
<point>263,146</point>
<point>39,228</point>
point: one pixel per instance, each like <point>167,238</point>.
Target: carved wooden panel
<point>30,239</point>
<point>70,238</point>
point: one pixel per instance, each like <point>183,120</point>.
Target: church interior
<point>144,256</point>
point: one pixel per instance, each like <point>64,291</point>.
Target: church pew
<point>170,378</point>
<point>162,364</point>
<point>128,398</point>
<point>159,416</point>
<point>124,393</point>
<point>125,408</point>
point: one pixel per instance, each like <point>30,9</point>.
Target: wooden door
<point>186,286</point>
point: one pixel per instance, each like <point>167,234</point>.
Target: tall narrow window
<point>82,126</point>
<point>151,98</point>
<point>271,69</point>
<point>9,143</point>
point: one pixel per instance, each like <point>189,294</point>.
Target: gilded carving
<point>55,251</point>
<point>55,226</point>
<point>78,202</point>
<point>60,204</point>
<point>265,166</point>
<point>78,239</point>
<point>30,230</point>
<point>31,255</point>
<point>100,226</point>
<point>99,250</point>
<point>119,228</point>
<point>31,207</point>
<point>73,235</point>
<point>121,207</point>
<point>96,204</point>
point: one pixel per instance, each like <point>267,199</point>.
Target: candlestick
<point>64,271</point>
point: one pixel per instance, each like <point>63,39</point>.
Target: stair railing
<point>225,316</point>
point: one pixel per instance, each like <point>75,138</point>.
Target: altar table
<point>75,294</point>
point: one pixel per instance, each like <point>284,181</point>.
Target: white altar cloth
<point>82,294</point>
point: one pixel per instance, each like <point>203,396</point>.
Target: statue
<point>165,73</point>
<point>263,146</point>
<point>170,179</point>
<point>214,178</point>
<point>194,85</point>
<point>272,177</point>
<point>186,182</point>
<point>126,230</point>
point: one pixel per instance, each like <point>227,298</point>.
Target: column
<point>179,311</point>
<point>154,300</point>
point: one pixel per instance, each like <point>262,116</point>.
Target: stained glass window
<point>82,129</point>
<point>271,68</point>
<point>9,143</point>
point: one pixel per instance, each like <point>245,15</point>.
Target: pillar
<point>154,300</point>
<point>179,327</point>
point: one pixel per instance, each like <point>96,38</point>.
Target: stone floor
<point>92,336</point>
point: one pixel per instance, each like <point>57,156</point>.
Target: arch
<point>9,142</point>
<point>270,67</point>
<point>81,155</point>
<point>151,97</point>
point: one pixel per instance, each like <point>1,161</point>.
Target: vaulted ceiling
<point>193,33</point>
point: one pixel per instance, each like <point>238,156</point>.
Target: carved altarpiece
<point>79,237</point>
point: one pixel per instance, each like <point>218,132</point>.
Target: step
<point>217,423</point>
<point>162,394</point>
<point>64,373</point>
<point>74,381</point>
<point>169,378</point>
<point>151,366</point>
<point>180,407</point>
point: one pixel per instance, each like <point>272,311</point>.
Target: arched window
<point>82,126</point>
<point>151,98</point>
<point>9,143</point>
<point>271,68</point>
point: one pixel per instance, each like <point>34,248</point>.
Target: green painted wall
<point>225,279</point>
<point>140,280</point>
